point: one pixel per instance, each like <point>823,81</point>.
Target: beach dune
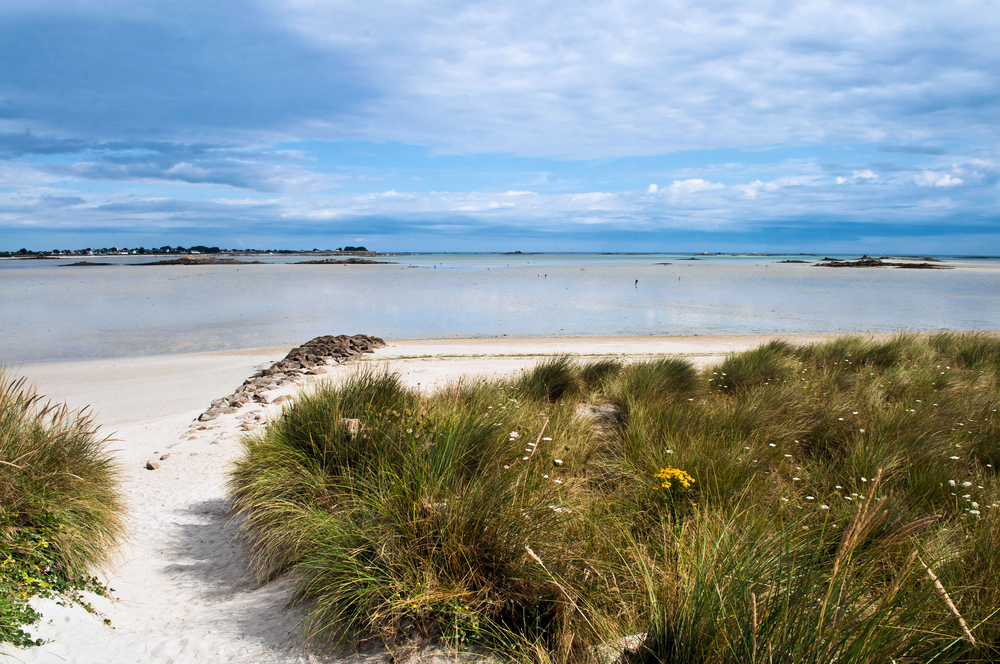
<point>182,592</point>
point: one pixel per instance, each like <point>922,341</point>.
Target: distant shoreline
<point>290,253</point>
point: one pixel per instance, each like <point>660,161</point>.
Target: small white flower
<point>954,458</point>
<point>558,462</point>
<point>861,430</point>
<point>848,498</point>
<point>967,484</point>
<point>746,448</point>
<point>795,479</point>
<point>506,467</point>
<point>557,481</point>
<point>976,512</point>
<point>841,419</point>
<point>951,482</point>
<point>838,487</point>
<point>524,458</point>
<point>546,438</point>
<point>514,434</point>
<point>824,507</point>
<point>863,479</point>
<point>967,496</point>
<point>784,500</point>
<point>854,413</point>
<point>769,445</point>
<point>670,451</point>
<point>545,477</point>
<point>788,456</point>
<point>975,505</point>
<point>810,498</point>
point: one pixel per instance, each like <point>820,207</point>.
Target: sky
<point>812,126</point>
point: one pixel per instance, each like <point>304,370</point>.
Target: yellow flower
<point>670,475</point>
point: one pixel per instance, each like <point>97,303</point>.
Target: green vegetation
<point>836,502</point>
<point>60,510</point>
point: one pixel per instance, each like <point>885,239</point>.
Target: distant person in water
<point>636,283</point>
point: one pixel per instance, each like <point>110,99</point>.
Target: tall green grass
<point>60,506</point>
<point>843,505</point>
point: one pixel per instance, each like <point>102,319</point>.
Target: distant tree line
<point>166,249</point>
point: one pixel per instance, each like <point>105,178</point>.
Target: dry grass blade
<point>943,592</point>
<point>861,523</point>
<point>910,529</point>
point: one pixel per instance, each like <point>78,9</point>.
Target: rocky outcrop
<point>202,260</point>
<point>868,261</point>
<point>85,264</point>
<point>300,361</point>
<point>348,261</point>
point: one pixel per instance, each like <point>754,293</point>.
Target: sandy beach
<point>181,588</point>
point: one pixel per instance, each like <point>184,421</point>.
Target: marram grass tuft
<point>60,505</point>
<point>834,502</point>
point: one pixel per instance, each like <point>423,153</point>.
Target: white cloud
<point>865,175</point>
<point>933,179</point>
<point>693,185</point>
<point>602,79</point>
<point>596,80</point>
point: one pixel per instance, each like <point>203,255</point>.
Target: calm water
<point>54,313</point>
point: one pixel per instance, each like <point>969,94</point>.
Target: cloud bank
<point>561,124</point>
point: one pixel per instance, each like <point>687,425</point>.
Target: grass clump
<point>836,502</point>
<point>551,379</point>
<point>60,507</point>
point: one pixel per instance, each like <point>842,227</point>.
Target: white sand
<point>182,592</point>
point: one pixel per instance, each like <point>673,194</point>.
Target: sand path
<point>182,591</point>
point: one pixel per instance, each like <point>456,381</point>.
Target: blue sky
<point>462,126</point>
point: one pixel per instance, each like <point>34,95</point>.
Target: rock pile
<point>202,260</point>
<point>868,261</point>
<point>300,361</point>
<point>349,261</point>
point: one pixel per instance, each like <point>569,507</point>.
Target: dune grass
<point>835,502</point>
<point>60,507</point>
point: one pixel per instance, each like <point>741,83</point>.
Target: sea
<point>52,311</point>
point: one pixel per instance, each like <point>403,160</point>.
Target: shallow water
<point>56,313</point>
